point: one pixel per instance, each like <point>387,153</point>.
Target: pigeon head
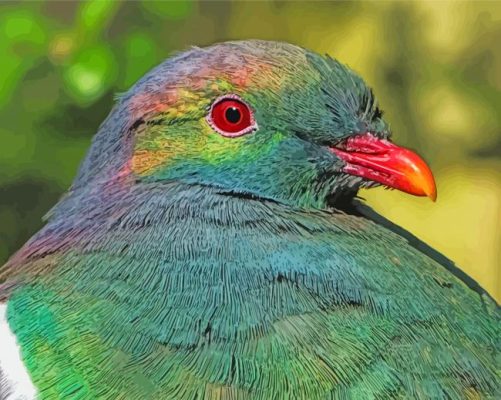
<point>262,119</point>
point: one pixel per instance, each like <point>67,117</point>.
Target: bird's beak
<point>384,162</point>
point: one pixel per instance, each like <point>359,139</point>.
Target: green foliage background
<point>435,66</point>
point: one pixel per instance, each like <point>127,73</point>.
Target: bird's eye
<point>230,116</point>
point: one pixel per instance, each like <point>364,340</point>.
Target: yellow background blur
<point>435,67</point>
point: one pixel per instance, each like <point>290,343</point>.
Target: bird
<point>213,246</point>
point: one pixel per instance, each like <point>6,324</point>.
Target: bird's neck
<point>181,245</point>
<point>108,217</point>
<point>146,217</point>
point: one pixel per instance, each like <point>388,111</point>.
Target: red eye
<point>231,117</point>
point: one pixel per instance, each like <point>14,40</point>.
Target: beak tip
<point>431,192</point>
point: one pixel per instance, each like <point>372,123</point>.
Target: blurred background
<point>435,67</point>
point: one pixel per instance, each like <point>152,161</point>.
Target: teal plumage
<point>187,265</point>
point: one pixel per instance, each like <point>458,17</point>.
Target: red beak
<point>381,161</point>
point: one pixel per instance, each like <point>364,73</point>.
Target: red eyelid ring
<point>217,116</point>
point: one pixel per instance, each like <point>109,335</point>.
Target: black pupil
<point>233,115</point>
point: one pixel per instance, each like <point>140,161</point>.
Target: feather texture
<point>185,265</point>
<point>195,294</point>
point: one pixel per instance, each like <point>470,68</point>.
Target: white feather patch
<point>15,382</point>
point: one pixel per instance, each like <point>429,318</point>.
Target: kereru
<point>212,247</point>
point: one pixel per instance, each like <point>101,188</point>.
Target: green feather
<point>263,301</point>
<point>187,265</point>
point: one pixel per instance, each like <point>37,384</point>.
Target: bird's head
<point>263,119</point>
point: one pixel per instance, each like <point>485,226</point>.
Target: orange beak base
<point>381,161</point>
